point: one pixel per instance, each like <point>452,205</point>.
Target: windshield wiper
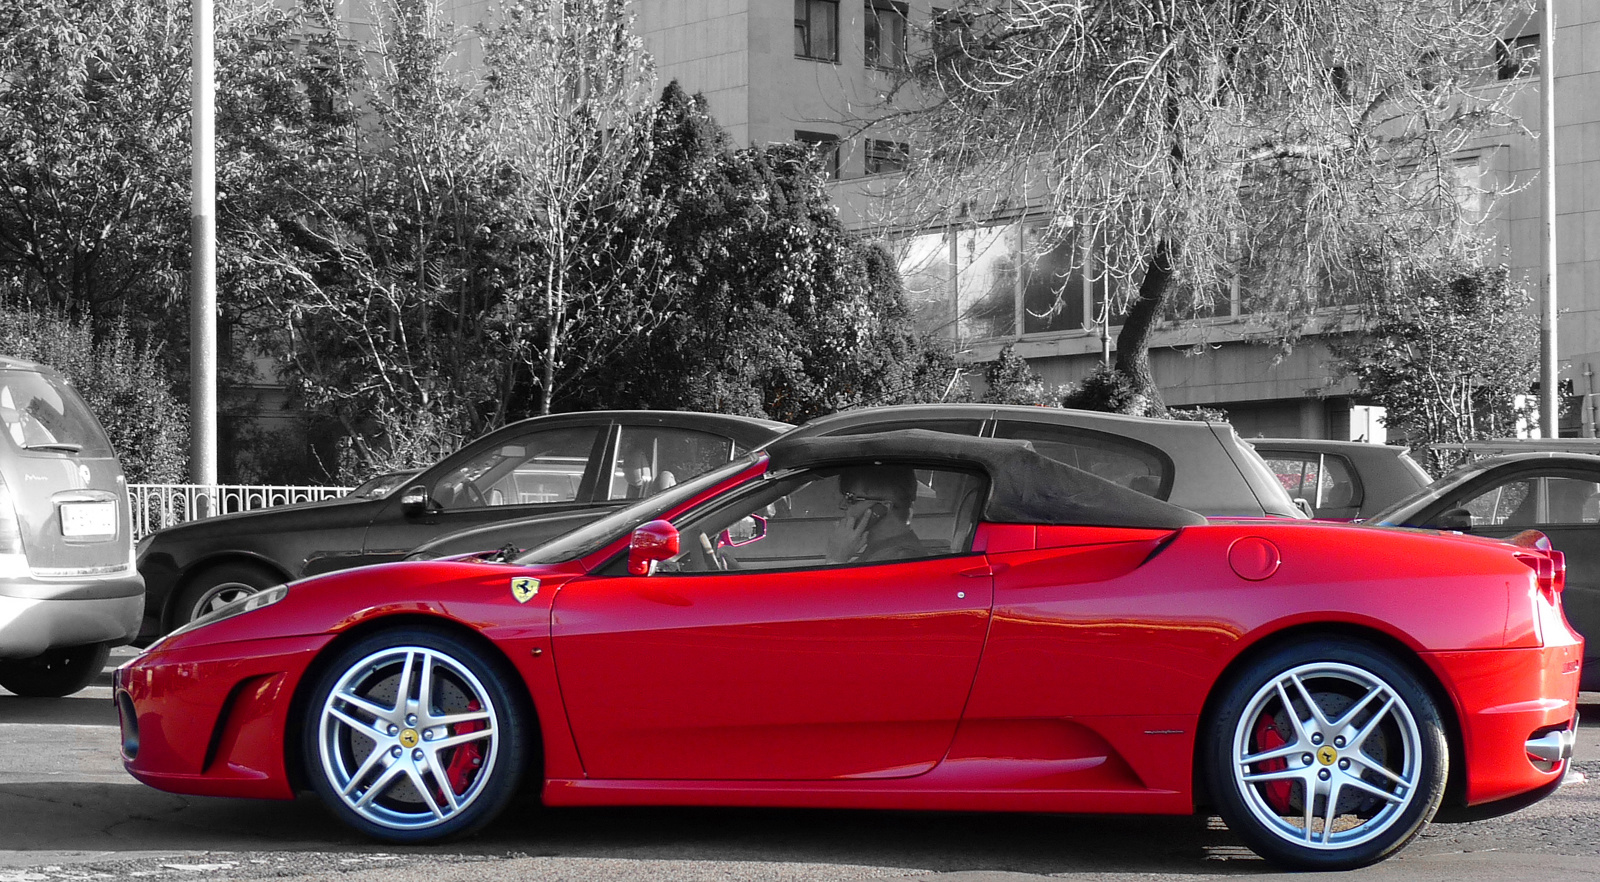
<point>65,446</point>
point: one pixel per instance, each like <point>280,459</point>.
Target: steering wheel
<point>473,496</point>
<point>710,559</point>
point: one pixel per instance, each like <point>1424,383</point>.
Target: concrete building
<point>778,70</point>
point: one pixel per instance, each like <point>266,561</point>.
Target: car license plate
<point>88,519</point>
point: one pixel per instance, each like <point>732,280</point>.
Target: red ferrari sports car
<point>907,621</point>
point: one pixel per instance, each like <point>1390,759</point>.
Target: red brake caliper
<point>465,760</point>
<point>1267,738</point>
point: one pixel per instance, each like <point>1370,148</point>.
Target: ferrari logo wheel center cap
<point>1327,755</point>
<point>408,738</point>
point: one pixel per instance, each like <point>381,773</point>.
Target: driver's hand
<point>849,536</point>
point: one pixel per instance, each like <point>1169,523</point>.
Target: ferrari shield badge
<point>524,589</point>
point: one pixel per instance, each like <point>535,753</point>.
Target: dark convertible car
<point>586,463</point>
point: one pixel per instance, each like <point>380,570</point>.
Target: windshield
<point>383,485</point>
<point>1398,513</point>
<point>595,536</point>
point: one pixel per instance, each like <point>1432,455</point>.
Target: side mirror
<point>652,542</point>
<point>744,531</point>
<point>1305,506</point>
<point>415,501</point>
<point>1455,519</point>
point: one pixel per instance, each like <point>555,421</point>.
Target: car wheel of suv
<point>55,672</point>
<point>1326,755</point>
<point>216,586</point>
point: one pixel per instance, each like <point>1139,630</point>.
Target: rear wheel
<point>412,735</point>
<point>55,672</point>
<point>218,586</point>
<point>1326,755</point>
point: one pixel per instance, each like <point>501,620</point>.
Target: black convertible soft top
<point>1025,487</point>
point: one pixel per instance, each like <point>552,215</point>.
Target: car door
<point>1563,504</point>
<point>646,459</point>
<point>783,666</point>
<point>506,476</point>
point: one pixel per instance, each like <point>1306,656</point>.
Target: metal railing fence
<point>156,506</point>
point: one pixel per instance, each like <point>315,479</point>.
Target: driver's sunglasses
<point>849,499</point>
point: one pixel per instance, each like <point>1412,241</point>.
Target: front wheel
<point>412,735</point>
<point>1326,755</point>
<point>215,587</point>
<point>55,672</point>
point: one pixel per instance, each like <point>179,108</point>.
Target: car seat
<point>965,521</point>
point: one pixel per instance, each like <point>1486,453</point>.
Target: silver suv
<point>68,588</point>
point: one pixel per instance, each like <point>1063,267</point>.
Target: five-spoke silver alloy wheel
<point>1327,756</point>
<point>408,738</point>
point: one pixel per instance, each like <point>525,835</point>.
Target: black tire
<point>215,586</point>
<point>55,672</point>
<point>386,774</point>
<point>1377,749</point>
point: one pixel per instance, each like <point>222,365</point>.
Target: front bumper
<point>1518,710</point>
<point>212,720</point>
<point>40,614</point>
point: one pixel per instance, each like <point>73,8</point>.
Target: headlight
<point>248,603</point>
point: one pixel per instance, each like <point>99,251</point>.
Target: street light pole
<point>203,255</point>
<point>1549,391</point>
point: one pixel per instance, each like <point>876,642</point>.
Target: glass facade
<point>1002,281</point>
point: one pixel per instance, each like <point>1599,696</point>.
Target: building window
<point>1057,286</point>
<point>826,147</point>
<point>1517,57</point>
<point>1339,83</point>
<point>816,29</point>
<point>886,34</point>
<point>949,32</point>
<point>886,157</point>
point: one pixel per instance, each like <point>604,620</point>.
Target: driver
<point>877,511</point>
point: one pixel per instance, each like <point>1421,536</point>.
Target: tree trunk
<point>1132,360</point>
<point>552,338</point>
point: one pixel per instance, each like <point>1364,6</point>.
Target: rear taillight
<point>13,562</point>
<point>1549,569</point>
<point>10,528</point>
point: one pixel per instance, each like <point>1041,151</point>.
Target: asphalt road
<point>68,811</point>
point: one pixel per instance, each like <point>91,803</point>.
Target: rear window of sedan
<point>38,414</point>
<point>1133,464</point>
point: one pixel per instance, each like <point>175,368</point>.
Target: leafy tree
<point>94,156</point>
<point>94,163</point>
<point>568,99</point>
<point>118,376</point>
<point>441,242</point>
<point>1446,356</point>
<point>771,307</point>
<point>1293,143</point>
<point>1009,380</point>
<point>369,237</point>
